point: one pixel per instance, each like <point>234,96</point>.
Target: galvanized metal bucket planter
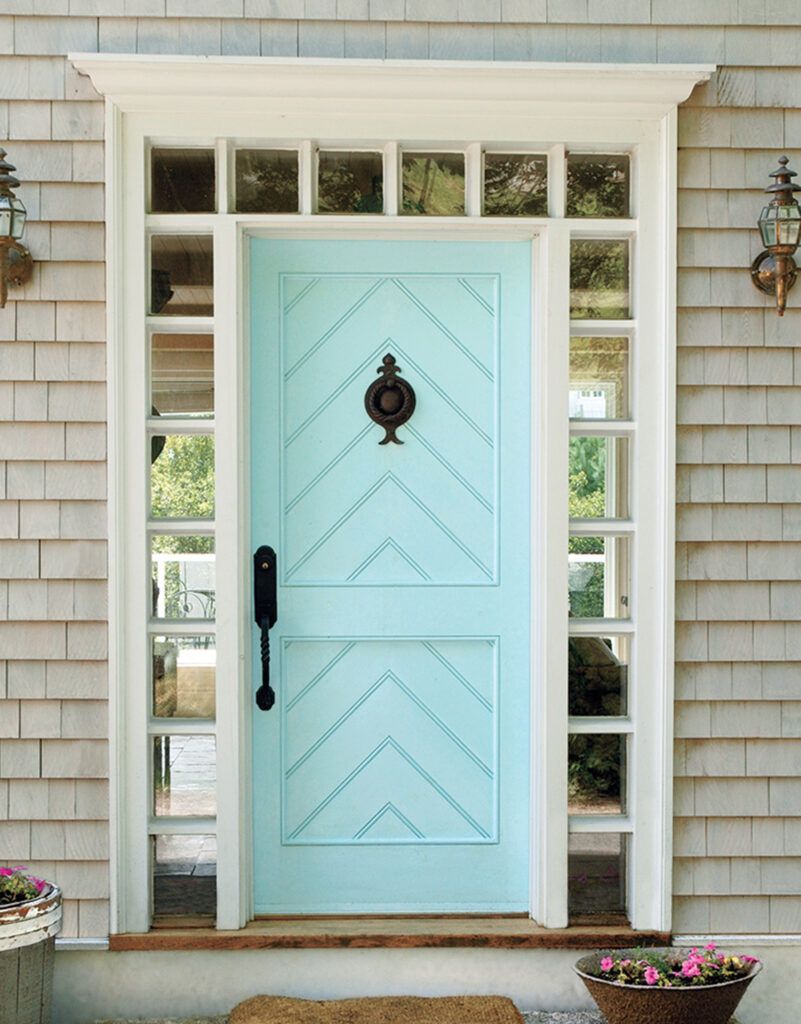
<point>27,946</point>
<point>635,1004</point>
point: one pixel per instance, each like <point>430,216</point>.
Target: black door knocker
<point>390,401</point>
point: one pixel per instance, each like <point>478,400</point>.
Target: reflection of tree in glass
<point>515,186</point>
<point>433,185</point>
<point>352,184</point>
<point>599,279</point>
<point>596,678</point>
<point>597,186</point>
<point>266,182</point>
<point>182,485</point>
<point>595,772</point>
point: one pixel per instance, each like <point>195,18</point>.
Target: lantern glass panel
<point>18,217</point>
<point>5,218</point>
<point>767,228</point>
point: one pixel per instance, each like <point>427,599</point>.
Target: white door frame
<point>352,103</point>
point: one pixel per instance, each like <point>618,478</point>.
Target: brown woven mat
<point>386,1010</point>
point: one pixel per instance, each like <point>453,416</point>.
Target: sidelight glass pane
<point>598,575</point>
<point>596,773</point>
<point>184,776</point>
<point>182,181</point>
<point>597,185</point>
<point>599,279</point>
<point>433,184</point>
<point>267,181</point>
<point>515,185</point>
<point>597,675</point>
<point>182,476</point>
<point>183,573</point>
<point>184,674</point>
<point>599,378</point>
<point>598,480</point>
<point>182,374</point>
<point>181,275</point>
<point>185,876</point>
<point>350,182</point>
<point>596,874</point>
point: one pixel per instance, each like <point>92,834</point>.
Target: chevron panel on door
<point>389,742</point>
<point>422,513</point>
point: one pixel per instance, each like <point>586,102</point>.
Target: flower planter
<point>27,946</point>
<point>636,1004</point>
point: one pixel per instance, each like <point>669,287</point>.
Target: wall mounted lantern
<point>15,260</point>
<point>774,270</point>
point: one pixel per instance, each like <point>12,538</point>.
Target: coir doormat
<point>384,1010</point>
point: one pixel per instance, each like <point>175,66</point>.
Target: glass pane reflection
<point>267,181</point>
<point>598,573</point>
<point>433,184</point>
<point>183,572</point>
<point>184,876</point>
<point>182,476</point>
<point>515,185</point>
<point>350,182</point>
<point>597,675</point>
<point>596,870</point>
<point>597,185</point>
<point>596,774</point>
<point>184,776</point>
<point>599,378</point>
<point>184,674</point>
<point>182,374</point>
<point>598,478</point>
<point>599,279</point>
<point>182,181</point>
<point>181,275</point>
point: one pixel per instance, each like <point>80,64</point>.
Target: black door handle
<point>265,612</point>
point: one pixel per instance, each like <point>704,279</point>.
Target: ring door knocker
<point>390,401</point>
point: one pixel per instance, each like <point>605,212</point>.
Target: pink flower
<point>651,975</point>
<point>711,947</point>
<point>625,963</point>
<point>607,963</point>
<point>6,872</point>
<point>749,959</point>
<point>690,969</point>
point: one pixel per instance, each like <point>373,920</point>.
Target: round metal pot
<point>27,947</point>
<point>634,1004</point>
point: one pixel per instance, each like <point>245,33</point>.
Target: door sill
<point>499,932</point>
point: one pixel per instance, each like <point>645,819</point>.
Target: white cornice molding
<point>137,82</point>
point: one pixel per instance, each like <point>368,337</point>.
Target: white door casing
<point>347,104</point>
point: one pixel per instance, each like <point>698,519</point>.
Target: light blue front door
<point>392,775</point>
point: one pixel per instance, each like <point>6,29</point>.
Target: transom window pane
<point>350,182</point>
<point>596,773</point>
<point>182,374</point>
<point>433,184</point>
<point>182,181</point>
<point>597,185</point>
<point>184,674</point>
<point>597,675</point>
<point>266,181</point>
<point>599,378</point>
<point>182,275</point>
<point>515,185</point>
<point>599,279</point>
<point>182,476</point>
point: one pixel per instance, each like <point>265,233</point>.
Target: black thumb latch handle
<point>265,612</point>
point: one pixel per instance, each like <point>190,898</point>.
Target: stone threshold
<point>500,932</point>
<point>531,1017</point>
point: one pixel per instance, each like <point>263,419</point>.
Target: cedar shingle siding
<point>738,711</point>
